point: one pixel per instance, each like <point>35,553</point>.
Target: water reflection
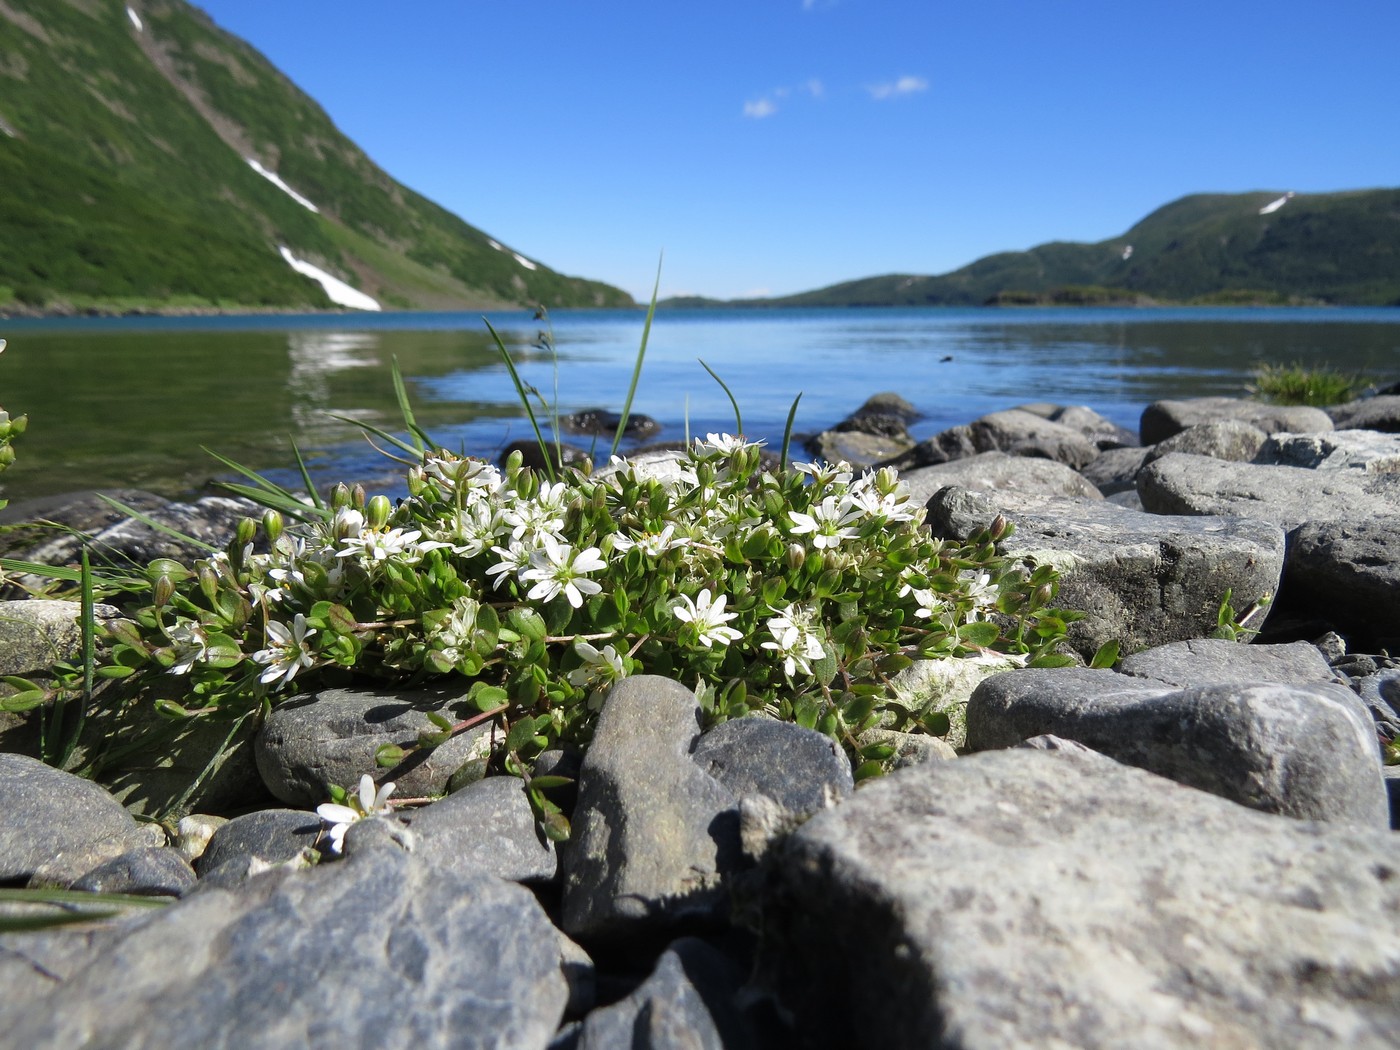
<point>314,357</point>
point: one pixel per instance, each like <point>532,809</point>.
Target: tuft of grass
<point>1298,384</point>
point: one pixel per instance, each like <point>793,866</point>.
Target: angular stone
<point>1369,413</point>
<point>1161,419</point>
<point>56,826</point>
<point>1229,439</point>
<point>800,769</point>
<point>149,871</point>
<point>650,832</point>
<point>1301,751</point>
<point>37,633</point>
<point>1115,470</point>
<point>689,1001</point>
<point>1287,496</point>
<point>1054,899</point>
<point>488,825</point>
<point>1364,450</point>
<point>1141,579</point>
<point>1350,573</point>
<point>997,472</point>
<point>376,950</point>
<point>945,686</point>
<point>856,447</point>
<point>331,737</point>
<point>1103,432</point>
<point>1211,661</point>
<point>1025,434</point>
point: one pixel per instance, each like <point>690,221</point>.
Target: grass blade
<point>420,437</point>
<point>383,435</point>
<point>787,433</point>
<point>312,494</point>
<point>641,354</point>
<point>738,420</point>
<point>524,398</point>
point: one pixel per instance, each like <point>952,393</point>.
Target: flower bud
<point>247,529</point>
<point>796,555</point>
<point>340,495</point>
<point>164,590</point>
<point>997,529</point>
<point>273,525</point>
<point>1042,595</point>
<point>19,425</point>
<point>7,455</point>
<point>348,524</point>
<point>208,582</point>
<point>378,511</point>
<point>357,495</point>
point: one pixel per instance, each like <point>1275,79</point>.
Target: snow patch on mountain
<point>276,180</point>
<point>1274,206</point>
<point>135,20</point>
<point>524,261</point>
<point>337,290</point>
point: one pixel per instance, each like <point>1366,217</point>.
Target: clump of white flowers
<point>798,593</point>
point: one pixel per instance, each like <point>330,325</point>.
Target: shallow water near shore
<point>130,402</point>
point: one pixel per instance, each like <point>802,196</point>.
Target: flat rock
<point>1115,470</point>
<point>1229,439</point>
<point>488,825</point>
<point>1350,571</point>
<point>1161,419</point>
<point>1142,579</point>
<point>1210,661</point>
<point>56,827</point>
<point>644,850</point>
<point>36,633</point>
<point>998,472</point>
<point>1103,432</point>
<point>1026,434</point>
<point>1287,496</point>
<point>800,769</point>
<point>270,835</point>
<point>331,737</point>
<point>1306,751</point>
<point>378,950</point>
<point>1368,413</point>
<point>149,871</point>
<point>1058,899</point>
<point>856,447</point>
<point>1364,450</point>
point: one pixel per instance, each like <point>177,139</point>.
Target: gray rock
<point>994,472</point>
<point>1301,751</point>
<point>1392,788</point>
<point>602,422</point>
<point>1024,434</point>
<point>56,826</point>
<point>271,835</point>
<point>1055,899</point>
<point>1350,571</point>
<point>149,871</point>
<point>1380,692</point>
<point>688,1003</point>
<point>1229,439</point>
<point>37,633</point>
<point>856,447</point>
<point>1115,470</point>
<point>1363,450</point>
<point>331,737</point>
<point>910,749</point>
<point>1369,413</point>
<point>652,831</point>
<point>1211,661</point>
<point>487,825</point>
<point>1103,432</point>
<point>377,950</point>
<point>35,962</point>
<point>1141,579</point>
<point>944,447</point>
<point>1162,419</point>
<point>800,769</point>
<point>1287,496</point>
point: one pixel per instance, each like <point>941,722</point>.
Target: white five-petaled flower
<point>794,640</point>
<point>725,443</point>
<point>599,666</point>
<point>826,473</point>
<point>707,617</point>
<point>652,544</point>
<point>515,559</point>
<point>368,802</point>
<point>287,651</point>
<point>188,644</point>
<point>557,568</point>
<point>829,523</point>
<point>980,589</point>
<point>374,548</point>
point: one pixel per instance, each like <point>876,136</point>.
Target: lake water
<point>130,402</point>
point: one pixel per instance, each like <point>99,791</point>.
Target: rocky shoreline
<point>1193,847</point>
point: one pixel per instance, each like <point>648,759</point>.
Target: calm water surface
<point>131,401</point>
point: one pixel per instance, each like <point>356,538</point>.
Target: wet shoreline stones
<point>1193,848</point>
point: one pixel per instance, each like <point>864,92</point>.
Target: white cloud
<point>814,88</point>
<point>759,108</point>
<point>903,86</point>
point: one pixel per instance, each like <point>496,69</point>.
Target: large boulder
<point>1055,898</point>
<point>379,949</point>
<point>488,825</point>
<point>1306,751</point>
<point>1349,572</point>
<point>997,472</point>
<point>1161,419</point>
<point>1368,413</point>
<point>1364,450</point>
<point>1230,439</point>
<point>1141,579</point>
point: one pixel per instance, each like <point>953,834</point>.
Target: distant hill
<point>127,141</point>
<point>1265,247</point>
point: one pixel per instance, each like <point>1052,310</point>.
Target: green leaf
<point>528,623</point>
<point>386,756</point>
<point>935,723</point>
<point>556,827</point>
<point>641,355</point>
<point>1052,660</point>
<point>866,770</point>
<point>520,735</point>
<point>544,783</point>
<point>1107,654</point>
<point>440,720</point>
<point>980,634</point>
<point>738,419</point>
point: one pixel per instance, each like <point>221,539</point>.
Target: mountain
<point>1266,247</point>
<point>148,158</point>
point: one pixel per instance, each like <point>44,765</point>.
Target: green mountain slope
<point>124,158</point>
<point>1318,247</point>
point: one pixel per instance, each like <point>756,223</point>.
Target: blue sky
<point>774,146</point>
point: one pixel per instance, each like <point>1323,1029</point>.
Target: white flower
<point>652,544</point>
<point>724,443</point>
<point>826,473</point>
<point>456,631</point>
<point>829,523</point>
<point>367,803</point>
<point>794,640</point>
<point>599,666</point>
<point>287,651</point>
<point>891,506</point>
<point>556,568</point>
<point>979,587</point>
<point>931,603</point>
<point>707,617</point>
<point>538,517</point>
<point>514,559</point>
<point>474,528</point>
<point>189,646</point>
<point>375,548</point>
